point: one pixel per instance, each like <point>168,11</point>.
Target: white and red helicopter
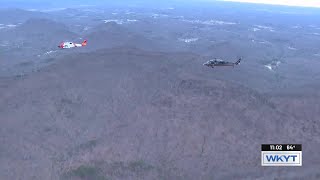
<point>67,45</point>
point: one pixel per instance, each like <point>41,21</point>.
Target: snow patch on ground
<point>189,40</point>
<point>273,65</point>
<point>86,28</point>
<point>168,8</point>
<point>120,21</point>
<point>4,43</point>
<point>292,48</point>
<point>47,53</point>
<point>211,22</point>
<point>260,41</point>
<point>268,66</point>
<point>132,20</point>
<point>155,16</point>
<point>113,20</point>
<point>180,17</point>
<point>256,29</point>
<point>265,28</point>
<point>11,25</point>
<point>8,26</point>
<point>264,42</point>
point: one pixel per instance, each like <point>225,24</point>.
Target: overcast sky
<point>304,3</point>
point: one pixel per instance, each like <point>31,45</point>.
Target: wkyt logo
<point>281,157</point>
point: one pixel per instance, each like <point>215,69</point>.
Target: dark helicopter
<point>219,62</point>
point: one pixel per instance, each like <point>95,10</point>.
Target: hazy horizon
<point>47,3</point>
<point>305,3</point>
